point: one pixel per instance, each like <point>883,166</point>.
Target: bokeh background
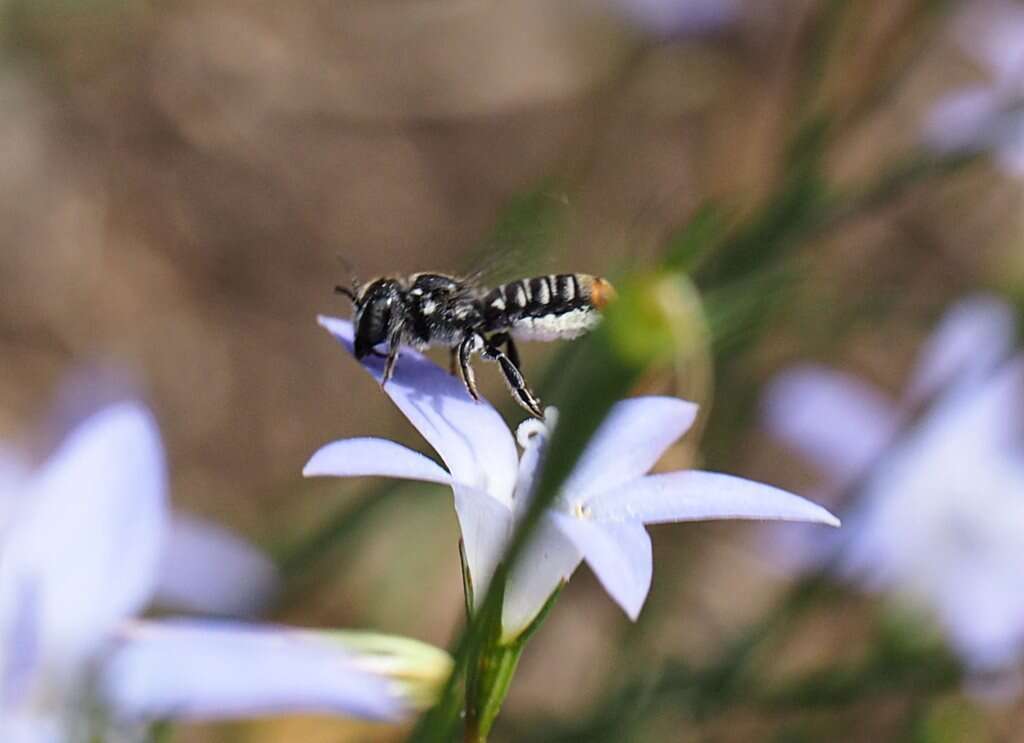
<point>179,179</point>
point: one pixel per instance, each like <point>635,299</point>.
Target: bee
<point>425,310</point>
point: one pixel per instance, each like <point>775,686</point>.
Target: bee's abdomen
<point>547,307</point>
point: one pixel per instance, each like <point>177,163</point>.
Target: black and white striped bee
<point>431,309</point>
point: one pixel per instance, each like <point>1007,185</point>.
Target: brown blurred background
<point>177,180</point>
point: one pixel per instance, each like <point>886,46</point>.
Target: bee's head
<point>377,305</point>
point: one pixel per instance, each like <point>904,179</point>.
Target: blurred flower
<point>191,670</point>
<point>208,570</point>
<point>80,550</point>
<point>81,542</point>
<point>987,116</point>
<point>667,18</point>
<point>940,518</point>
<point>599,515</point>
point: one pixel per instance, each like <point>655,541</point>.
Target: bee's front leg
<point>465,350</point>
<point>394,344</point>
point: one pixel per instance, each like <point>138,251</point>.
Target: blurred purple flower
<point>604,505</point>
<point>81,542</point>
<point>940,520</point>
<point>668,18</point>
<point>987,116</point>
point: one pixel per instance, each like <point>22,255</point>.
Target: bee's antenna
<point>352,293</point>
<point>346,291</point>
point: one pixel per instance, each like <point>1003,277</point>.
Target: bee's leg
<point>512,351</point>
<point>453,360</point>
<point>515,380</point>
<point>510,347</point>
<point>394,343</point>
<point>469,345</point>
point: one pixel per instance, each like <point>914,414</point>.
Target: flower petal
<point>13,474</point>
<point>974,421</point>
<point>982,611</point>
<point>369,457</point>
<point>974,336</point>
<point>92,536</point>
<point>486,525</point>
<point>19,646</point>
<point>671,18</point>
<point>695,495</point>
<point>991,32</point>
<point>962,120</point>
<point>209,570</point>
<point>629,442</point>
<point>835,420</point>
<point>471,437</point>
<point>208,670</point>
<point>618,553</point>
<point>549,559</point>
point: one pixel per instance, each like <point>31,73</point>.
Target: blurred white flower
<point>603,506</point>
<point>940,516</point>
<point>79,552</point>
<point>82,539</point>
<point>987,116</point>
<point>201,670</point>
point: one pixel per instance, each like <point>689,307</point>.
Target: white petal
<point>471,437</point>
<point>629,442</point>
<point>92,537</point>
<point>20,661</point>
<point>486,525</point>
<point>832,418</point>
<point>369,457</point>
<point>13,475</point>
<point>209,570</point>
<point>974,336</point>
<point>973,421</point>
<point>983,613</point>
<point>618,553</point>
<point>694,495</point>
<point>549,559</point>
<point>28,726</point>
<point>210,671</point>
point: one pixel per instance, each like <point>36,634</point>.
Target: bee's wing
<point>523,242</point>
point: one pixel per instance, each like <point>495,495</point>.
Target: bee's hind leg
<point>510,347</point>
<point>514,378</point>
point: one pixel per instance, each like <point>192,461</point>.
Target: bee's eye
<point>372,327</point>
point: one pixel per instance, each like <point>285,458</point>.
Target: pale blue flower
<point>601,511</point>
<point>82,541</point>
<point>988,115</point>
<point>940,517</point>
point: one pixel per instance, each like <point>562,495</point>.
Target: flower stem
<point>488,688</point>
